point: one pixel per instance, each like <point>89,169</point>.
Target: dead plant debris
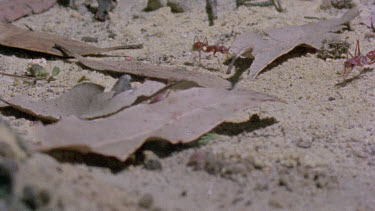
<point>182,117</point>
<point>11,10</point>
<point>14,37</point>
<point>274,43</point>
<point>86,100</point>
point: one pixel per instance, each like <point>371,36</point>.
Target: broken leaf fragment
<point>12,36</point>
<point>11,10</point>
<point>182,117</point>
<point>274,43</point>
<point>86,100</point>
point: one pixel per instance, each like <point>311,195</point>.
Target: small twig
<point>259,4</point>
<point>277,5</point>
<point>372,26</point>
<point>211,11</point>
<point>20,76</point>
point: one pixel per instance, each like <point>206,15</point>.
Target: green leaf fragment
<point>55,71</point>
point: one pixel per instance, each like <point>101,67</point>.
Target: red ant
<point>205,47</point>
<point>357,60</point>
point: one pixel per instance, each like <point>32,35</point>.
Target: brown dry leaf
<point>3,104</point>
<point>12,36</point>
<point>86,100</point>
<point>278,42</point>
<point>149,70</point>
<point>11,10</point>
<point>180,118</point>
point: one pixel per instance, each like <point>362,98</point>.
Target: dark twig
<point>372,26</point>
<point>277,5</point>
<point>20,76</point>
<point>211,11</point>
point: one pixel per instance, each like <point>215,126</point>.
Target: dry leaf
<point>86,100</point>
<point>3,104</point>
<point>277,42</point>
<point>11,10</point>
<point>12,36</point>
<point>149,70</point>
<point>368,15</point>
<point>180,118</point>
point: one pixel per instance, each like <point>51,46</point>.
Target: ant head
<point>197,46</point>
<point>349,64</point>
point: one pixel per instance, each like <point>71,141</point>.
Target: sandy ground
<point>315,152</point>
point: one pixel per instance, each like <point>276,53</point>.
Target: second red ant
<point>357,60</point>
<point>205,47</point>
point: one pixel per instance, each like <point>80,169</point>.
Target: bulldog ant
<point>205,47</point>
<point>357,60</point>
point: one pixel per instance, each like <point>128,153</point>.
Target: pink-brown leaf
<point>280,41</point>
<point>11,10</point>
<point>12,36</point>
<point>182,117</point>
<point>86,100</point>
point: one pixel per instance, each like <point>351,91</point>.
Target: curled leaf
<point>86,100</point>
<point>274,43</point>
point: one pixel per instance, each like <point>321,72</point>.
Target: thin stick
<point>20,76</point>
<point>211,11</point>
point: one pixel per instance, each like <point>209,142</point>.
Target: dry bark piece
<point>11,10</point>
<point>86,100</point>
<point>180,118</point>
<point>12,36</point>
<point>149,70</point>
<point>278,42</point>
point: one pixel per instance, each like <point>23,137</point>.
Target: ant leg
<point>347,57</point>
<point>196,39</point>
<point>205,41</point>
<point>218,60</point>
<point>199,64</point>
<point>357,47</point>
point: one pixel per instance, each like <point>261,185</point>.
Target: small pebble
<point>122,84</point>
<point>304,143</point>
<point>146,201</point>
<point>276,201</point>
<point>90,39</point>
<point>331,98</point>
<point>206,161</point>
<point>34,197</point>
<point>151,161</point>
<point>359,153</point>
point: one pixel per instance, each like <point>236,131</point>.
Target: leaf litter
<point>148,70</point>
<point>11,10</point>
<point>15,37</point>
<point>86,100</point>
<point>182,117</point>
<point>274,43</point>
